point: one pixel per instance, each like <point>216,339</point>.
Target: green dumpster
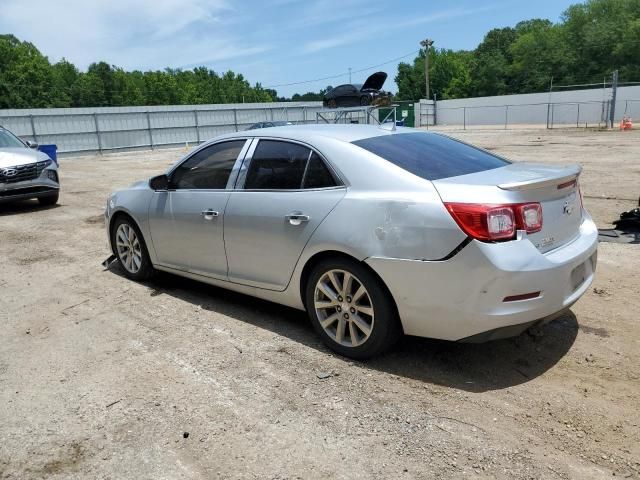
<point>405,114</point>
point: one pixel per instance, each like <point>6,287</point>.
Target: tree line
<point>29,80</point>
<point>591,40</point>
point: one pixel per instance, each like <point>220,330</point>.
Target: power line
<point>342,74</point>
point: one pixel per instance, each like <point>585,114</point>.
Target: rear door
<point>187,221</point>
<point>284,192</point>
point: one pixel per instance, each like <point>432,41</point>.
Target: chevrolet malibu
<point>374,232</point>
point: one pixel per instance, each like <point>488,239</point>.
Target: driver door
<point>187,220</point>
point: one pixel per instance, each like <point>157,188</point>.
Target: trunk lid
<point>375,81</point>
<point>555,188</point>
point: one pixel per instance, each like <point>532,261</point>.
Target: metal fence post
<point>426,105</point>
<point>235,119</point>
<point>578,117</point>
<point>149,130</point>
<point>548,113</point>
<point>33,129</point>
<point>195,118</point>
<point>464,118</point>
<point>552,111</point>
<point>435,109</point>
<point>95,121</point>
<point>506,116</point>
<point>304,114</point>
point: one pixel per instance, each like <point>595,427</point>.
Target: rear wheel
<point>351,310</point>
<point>365,100</point>
<point>130,249</point>
<point>49,199</point>
<point>332,103</point>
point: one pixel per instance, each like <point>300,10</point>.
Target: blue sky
<point>274,42</point>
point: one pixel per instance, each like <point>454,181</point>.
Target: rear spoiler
<point>564,177</point>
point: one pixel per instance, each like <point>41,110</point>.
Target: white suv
<point>25,172</point>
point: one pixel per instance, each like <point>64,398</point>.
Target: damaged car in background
<point>374,232</point>
<point>359,94</point>
<point>25,172</point>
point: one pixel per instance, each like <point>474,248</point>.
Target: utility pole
<point>349,74</point>
<point>614,91</point>
<point>426,43</point>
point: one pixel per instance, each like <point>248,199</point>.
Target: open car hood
<point>375,81</point>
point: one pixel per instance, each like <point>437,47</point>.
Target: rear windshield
<point>431,156</point>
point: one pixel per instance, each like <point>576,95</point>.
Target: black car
<point>359,94</point>
<point>268,124</point>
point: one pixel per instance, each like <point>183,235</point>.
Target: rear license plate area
<point>578,276</point>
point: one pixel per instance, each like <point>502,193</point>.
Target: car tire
<point>332,103</point>
<point>49,199</point>
<point>369,320</point>
<point>130,249</point>
<point>365,100</point>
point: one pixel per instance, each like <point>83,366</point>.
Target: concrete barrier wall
<point>574,107</point>
<point>77,130</point>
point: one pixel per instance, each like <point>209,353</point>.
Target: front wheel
<point>49,199</point>
<point>351,310</point>
<point>130,249</point>
<point>365,100</point>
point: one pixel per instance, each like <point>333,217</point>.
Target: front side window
<point>279,165</point>
<point>209,168</point>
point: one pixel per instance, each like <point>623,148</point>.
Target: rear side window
<point>281,165</point>
<point>431,156</point>
<point>317,174</point>
<point>277,166</point>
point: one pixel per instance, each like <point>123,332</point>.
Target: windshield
<point>431,156</point>
<point>8,140</point>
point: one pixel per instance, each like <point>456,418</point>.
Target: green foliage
<point>29,80</point>
<point>593,39</point>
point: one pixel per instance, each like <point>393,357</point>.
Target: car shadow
<point>23,206</point>
<point>470,367</point>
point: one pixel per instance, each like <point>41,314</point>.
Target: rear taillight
<point>531,216</point>
<point>496,222</point>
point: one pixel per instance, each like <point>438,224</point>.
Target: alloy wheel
<point>344,308</point>
<point>128,248</point>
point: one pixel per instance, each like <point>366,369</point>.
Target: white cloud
<point>361,30</point>
<point>128,33</point>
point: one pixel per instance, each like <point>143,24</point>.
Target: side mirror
<point>31,144</point>
<point>159,183</point>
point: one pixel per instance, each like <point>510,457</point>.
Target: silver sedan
<point>374,232</point>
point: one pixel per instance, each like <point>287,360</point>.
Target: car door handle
<point>209,213</point>
<point>296,218</point>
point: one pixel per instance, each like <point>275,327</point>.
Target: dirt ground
<point>101,377</point>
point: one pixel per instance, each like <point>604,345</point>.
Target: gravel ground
<point>101,377</point>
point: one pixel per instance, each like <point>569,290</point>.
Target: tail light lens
<point>531,216</point>
<point>496,222</point>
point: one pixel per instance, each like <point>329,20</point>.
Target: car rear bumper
<point>463,298</point>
